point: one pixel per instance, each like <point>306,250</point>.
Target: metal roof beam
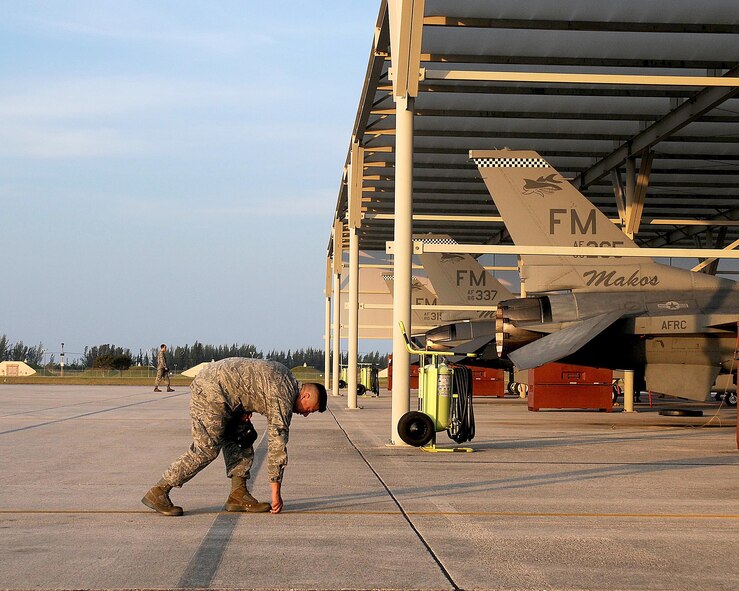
<point>419,247</point>
<point>580,78</point>
<point>660,131</point>
<point>690,231</point>
<point>498,135</point>
<point>579,116</point>
<point>539,90</point>
<point>582,25</point>
<point>597,62</point>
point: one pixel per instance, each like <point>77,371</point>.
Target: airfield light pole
<point>61,356</point>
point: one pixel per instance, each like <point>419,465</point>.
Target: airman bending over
<point>223,391</point>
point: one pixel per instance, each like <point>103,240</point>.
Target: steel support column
<point>629,391</point>
<point>337,333</point>
<point>352,368</point>
<point>402,260</point>
<point>327,345</point>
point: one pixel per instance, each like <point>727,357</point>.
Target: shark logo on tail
<point>541,186</point>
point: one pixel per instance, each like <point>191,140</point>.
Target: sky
<point>169,170</point>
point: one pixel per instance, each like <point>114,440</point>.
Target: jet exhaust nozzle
<point>511,315</point>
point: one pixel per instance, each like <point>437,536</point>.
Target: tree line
<point>33,355</point>
<point>179,357</point>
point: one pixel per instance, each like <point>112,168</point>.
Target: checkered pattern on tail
<point>511,163</point>
<point>439,241</point>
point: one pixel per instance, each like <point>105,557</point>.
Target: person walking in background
<point>162,369</point>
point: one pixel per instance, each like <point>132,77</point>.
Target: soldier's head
<point>163,347</point>
<point>312,398</point>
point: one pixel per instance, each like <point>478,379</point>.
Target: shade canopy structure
<point>595,85</point>
<point>635,103</point>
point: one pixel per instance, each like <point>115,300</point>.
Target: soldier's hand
<point>276,498</point>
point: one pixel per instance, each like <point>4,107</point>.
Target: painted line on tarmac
<point>88,414</point>
<point>93,401</point>
<point>204,564</point>
<point>386,513</point>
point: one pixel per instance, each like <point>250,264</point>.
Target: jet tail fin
<point>541,208</point>
<point>460,279</point>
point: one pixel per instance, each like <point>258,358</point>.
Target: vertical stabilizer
<point>460,279</point>
<point>541,208</point>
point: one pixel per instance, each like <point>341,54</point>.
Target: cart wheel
<point>342,384</point>
<point>512,388</point>
<point>730,398</point>
<point>416,428</point>
<point>361,389</point>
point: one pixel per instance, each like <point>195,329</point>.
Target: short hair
<point>322,395</point>
<point>162,346</point>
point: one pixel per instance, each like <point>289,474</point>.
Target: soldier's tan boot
<point>158,499</point>
<point>241,500</point>
<point>170,389</point>
<point>156,389</point>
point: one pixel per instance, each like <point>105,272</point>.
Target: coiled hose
<point>374,379</point>
<point>461,415</point>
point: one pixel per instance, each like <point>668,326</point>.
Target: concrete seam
<point>204,564</point>
<point>405,515</point>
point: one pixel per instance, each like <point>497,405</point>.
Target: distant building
<point>193,371</point>
<point>15,369</point>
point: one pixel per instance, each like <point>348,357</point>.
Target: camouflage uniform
<point>162,369</point>
<point>264,387</point>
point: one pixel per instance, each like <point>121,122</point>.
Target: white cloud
<point>215,42</point>
<point>97,96</point>
<point>312,204</point>
<point>50,142</point>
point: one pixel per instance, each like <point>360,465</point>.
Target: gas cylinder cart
<point>444,402</point>
<point>368,383</point>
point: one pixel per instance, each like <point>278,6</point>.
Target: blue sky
<point>169,170</point>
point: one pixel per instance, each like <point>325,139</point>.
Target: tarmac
<point>548,500</point>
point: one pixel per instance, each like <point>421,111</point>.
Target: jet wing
<point>562,343</point>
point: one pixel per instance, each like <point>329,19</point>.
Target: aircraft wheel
<point>730,398</point>
<point>342,384</point>
<point>615,391</point>
<point>361,390</point>
<point>681,412</point>
<point>416,428</point>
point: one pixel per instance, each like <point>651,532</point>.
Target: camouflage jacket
<point>161,360</point>
<point>264,387</point>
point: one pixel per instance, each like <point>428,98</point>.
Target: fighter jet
<point>677,329</point>
<point>457,279</point>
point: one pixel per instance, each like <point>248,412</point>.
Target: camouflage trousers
<point>210,416</point>
<point>161,373</point>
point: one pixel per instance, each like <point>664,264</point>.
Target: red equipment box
<point>488,382</point>
<point>559,385</point>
